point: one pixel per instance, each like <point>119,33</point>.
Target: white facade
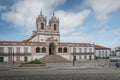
<point>83,52</point>
<point>117,51</point>
<point>15,47</point>
<point>102,53</point>
<point>44,41</point>
<point>43,38</point>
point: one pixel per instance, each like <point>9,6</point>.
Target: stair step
<point>54,59</point>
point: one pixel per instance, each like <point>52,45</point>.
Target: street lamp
<point>74,57</point>
<point>13,54</point>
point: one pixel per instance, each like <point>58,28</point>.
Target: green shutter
<point>1,59</point>
<point>25,59</point>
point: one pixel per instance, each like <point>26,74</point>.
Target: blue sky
<point>80,20</point>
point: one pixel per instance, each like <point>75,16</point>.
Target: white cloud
<point>106,35</point>
<point>69,21</point>
<point>24,12</point>
<point>78,37</point>
<point>102,8</point>
<point>109,35</point>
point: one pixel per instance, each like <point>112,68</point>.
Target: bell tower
<point>41,22</point>
<point>54,23</point>
<point>45,32</point>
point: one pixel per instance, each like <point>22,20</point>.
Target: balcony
<point>15,54</point>
<point>83,53</point>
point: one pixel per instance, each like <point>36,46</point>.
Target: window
<point>10,50</point>
<point>84,56</point>
<point>54,26</point>
<point>106,53</point>
<point>85,50</point>
<point>103,54</point>
<point>65,50</point>
<point>25,59</point>
<point>42,26</point>
<point>1,59</point>
<point>60,50</point>
<point>90,57</point>
<point>25,50</point>
<point>41,39</point>
<point>90,49</point>
<point>80,50</point>
<point>74,49</point>
<point>99,53</point>
<point>43,49</point>
<point>37,50</point>
<point>79,56</point>
<point>1,50</point>
<point>18,49</point>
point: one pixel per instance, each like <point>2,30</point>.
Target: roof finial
<point>41,12</point>
<point>53,13</point>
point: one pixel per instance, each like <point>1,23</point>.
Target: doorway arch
<point>52,49</point>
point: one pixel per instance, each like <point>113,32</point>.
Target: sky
<point>82,21</point>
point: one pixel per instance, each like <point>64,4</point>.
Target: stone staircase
<point>54,59</point>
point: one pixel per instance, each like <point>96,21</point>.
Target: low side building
<point>117,51</point>
<point>102,52</point>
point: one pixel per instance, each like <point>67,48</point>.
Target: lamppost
<point>74,57</point>
<point>13,54</point>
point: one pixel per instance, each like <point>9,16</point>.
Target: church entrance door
<point>52,49</point>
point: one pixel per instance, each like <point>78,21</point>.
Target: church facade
<point>44,44</point>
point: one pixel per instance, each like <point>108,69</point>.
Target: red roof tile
<point>99,46</point>
<point>27,40</point>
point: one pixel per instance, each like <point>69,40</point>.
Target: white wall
<point>43,38</point>
<point>21,58</point>
<point>102,53</point>
<point>6,59</point>
<point>29,58</point>
<point>66,56</point>
<point>82,49</point>
<point>14,49</point>
<point>118,53</point>
<point>82,56</point>
<point>37,56</point>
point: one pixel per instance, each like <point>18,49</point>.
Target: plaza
<point>81,71</point>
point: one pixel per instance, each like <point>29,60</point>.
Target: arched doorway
<point>52,49</point>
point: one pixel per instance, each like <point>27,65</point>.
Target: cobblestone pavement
<point>10,72</point>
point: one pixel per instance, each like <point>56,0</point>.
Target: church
<point>45,45</point>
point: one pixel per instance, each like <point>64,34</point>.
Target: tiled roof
<point>24,41</point>
<point>75,44</point>
<point>101,47</point>
<point>21,43</point>
<point>27,40</point>
<point>10,42</point>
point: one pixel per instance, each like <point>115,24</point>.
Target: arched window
<point>37,26</point>
<point>37,50</point>
<point>60,50</point>
<point>54,26</point>
<point>43,49</point>
<point>42,26</point>
<point>65,50</point>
